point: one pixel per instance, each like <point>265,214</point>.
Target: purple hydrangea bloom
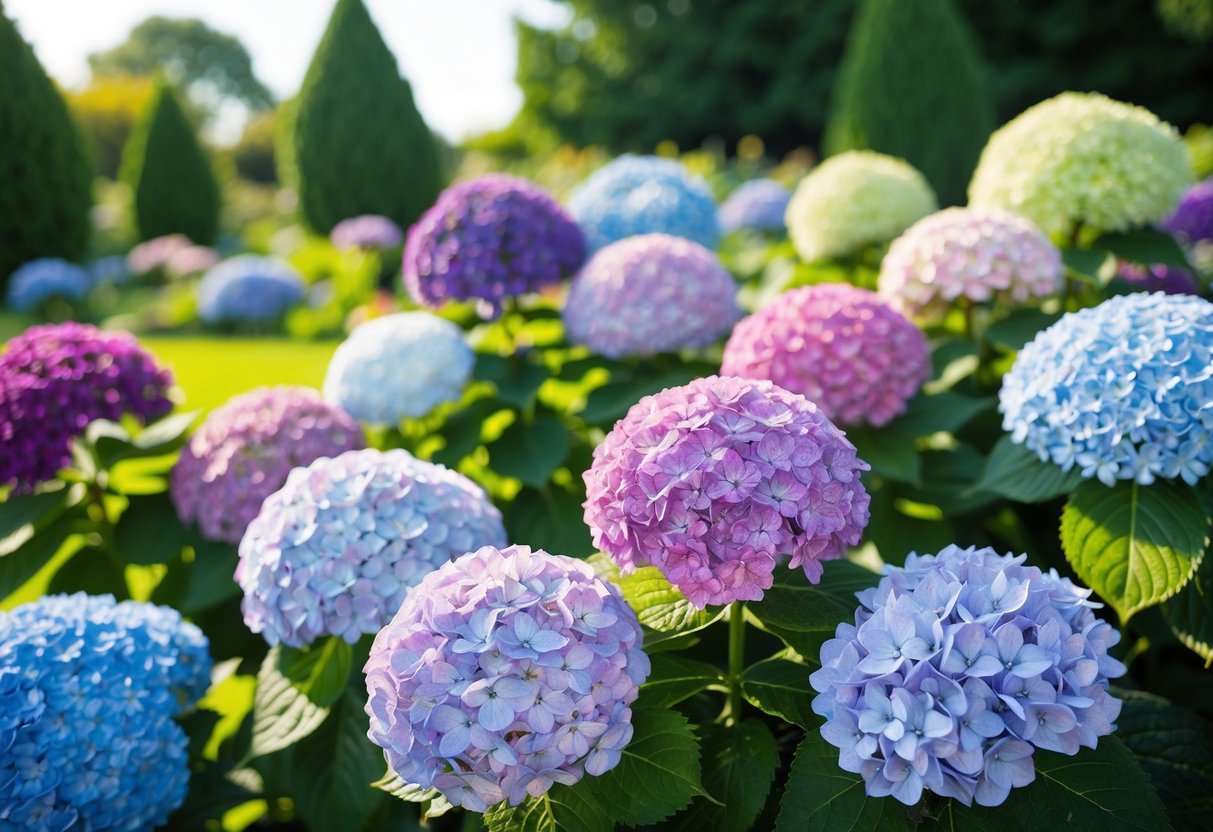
<point>958,666</point>
<point>650,294</point>
<point>154,253</point>
<point>842,348</point>
<point>759,204</point>
<point>1158,277</point>
<point>366,231</point>
<point>503,673</point>
<point>88,692</point>
<point>247,289</point>
<point>488,240</point>
<point>334,551</point>
<point>714,482</point>
<point>55,379</point>
<point>36,282</point>
<point>1192,220</point>
<point>644,195</point>
<point>244,451</point>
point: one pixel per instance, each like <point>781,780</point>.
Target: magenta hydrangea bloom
<point>55,379</point>
<point>504,672</point>
<point>488,240</point>
<point>244,450</point>
<point>1192,220</point>
<point>984,255</point>
<point>715,481</point>
<point>334,551</point>
<point>842,348</point>
<point>1157,277</point>
<point>650,294</point>
<point>366,231</point>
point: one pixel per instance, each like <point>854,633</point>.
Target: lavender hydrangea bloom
<point>154,253</point>
<point>759,204</point>
<point>112,269</point>
<point>715,481</point>
<point>641,195</point>
<point>957,668</point>
<point>490,239</point>
<point>399,366</point>
<point>88,692</point>
<point>650,294</point>
<point>842,348</point>
<point>54,380</point>
<point>248,289</point>
<point>366,231</point>
<point>334,551</point>
<point>1158,277</point>
<point>244,451</point>
<point>1122,391</point>
<point>36,282</point>
<point>503,673</point>
<point>1192,220</point>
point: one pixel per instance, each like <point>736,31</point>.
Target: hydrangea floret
<point>244,450</point>
<point>716,481</point>
<point>1157,277</point>
<point>758,205</point>
<point>643,195</point>
<point>1192,220</point>
<point>335,550</point>
<point>959,666</point>
<point>399,366</point>
<point>1121,391</point>
<point>366,231</point>
<point>55,379</point>
<point>1083,160</point>
<point>842,348</point>
<point>650,294</point>
<point>505,672</point>
<point>981,255</point>
<point>38,281</point>
<point>489,240</point>
<point>248,289</point>
<point>89,689</point>
<point>853,200</point>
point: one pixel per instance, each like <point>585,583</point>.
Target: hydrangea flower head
<point>1158,277</point>
<point>506,671</point>
<point>714,482</point>
<point>1082,159</point>
<point>842,348</point>
<point>248,289</point>
<point>399,366</point>
<point>334,551</point>
<point>957,668</point>
<point>153,254</point>
<point>759,204</point>
<point>366,231</point>
<point>984,255</point>
<point>36,282</point>
<point>855,199</point>
<point>190,260</point>
<point>112,269</point>
<point>88,692</point>
<point>644,195</point>
<point>1122,391</point>
<point>488,240</point>
<point>244,450</point>
<point>1192,220</point>
<point>55,379</point>
<point>650,294</point>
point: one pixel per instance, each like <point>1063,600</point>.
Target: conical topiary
<point>912,84</point>
<point>173,188</point>
<point>45,175</point>
<point>357,142</point>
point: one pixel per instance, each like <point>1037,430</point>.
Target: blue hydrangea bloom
<point>1122,391</point>
<point>88,691</point>
<point>248,289</point>
<point>759,204</point>
<point>957,668</point>
<point>37,281</point>
<point>641,195</point>
<point>112,269</point>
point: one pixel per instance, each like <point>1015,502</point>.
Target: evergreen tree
<point>356,140</point>
<point>173,187</point>
<point>912,85</point>
<point>45,173</point>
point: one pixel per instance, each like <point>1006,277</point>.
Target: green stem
<point>736,658</point>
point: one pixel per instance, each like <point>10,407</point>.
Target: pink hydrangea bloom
<point>842,348</point>
<point>715,481</point>
<point>980,254</point>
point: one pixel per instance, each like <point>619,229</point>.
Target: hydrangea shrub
<point>758,205</point>
<point>248,289</point>
<point>38,281</point>
<point>366,231</point>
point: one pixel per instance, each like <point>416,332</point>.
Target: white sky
<point>459,55</point>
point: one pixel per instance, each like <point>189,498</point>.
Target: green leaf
<point>947,412</point>
<point>550,519</point>
<point>562,809</point>
<point>319,671</point>
<point>890,452</point>
<point>675,678</point>
<point>530,451</point>
<point>434,804</point>
<point>781,688</point>
<point>1020,327</point>
<point>660,606</point>
<point>462,430</point>
<point>1084,261</point>
<point>517,379</point>
<point>210,576</point>
<point>739,763</point>
<point>282,713</point>
<point>1190,611</point>
<point>149,532</point>
<point>1134,545</point>
<point>613,400</point>
<point>22,516</point>
<point>800,613</point>
<point>211,794</point>
<point>19,566</point>
<point>1014,472</point>
<point>1145,247</point>
<point>90,570</point>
